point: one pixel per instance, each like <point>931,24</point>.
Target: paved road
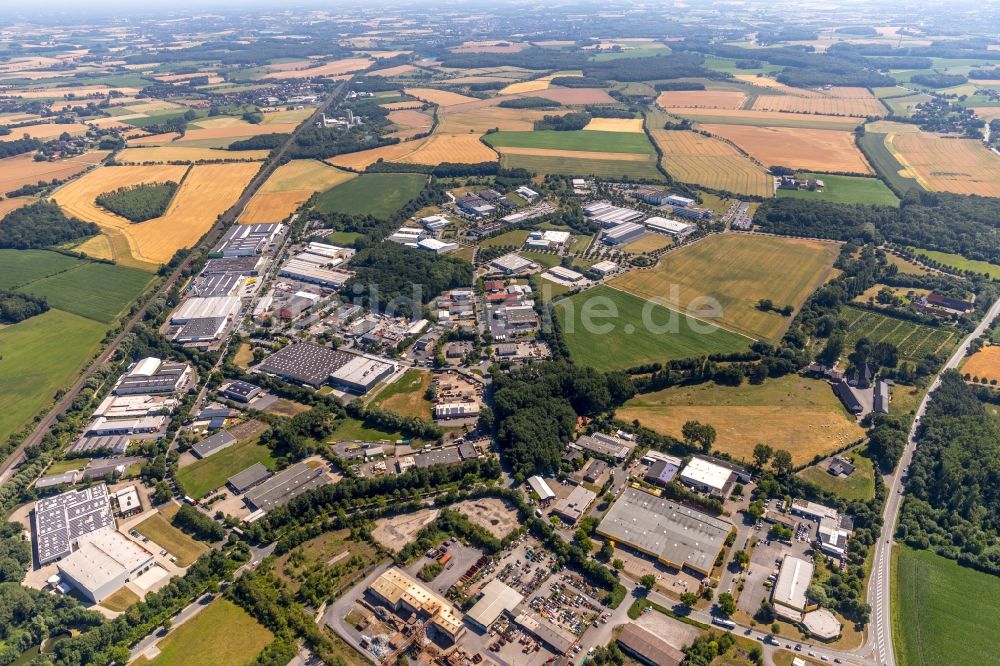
<point>210,238</point>
<point>880,636</point>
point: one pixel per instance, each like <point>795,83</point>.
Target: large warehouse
<point>789,593</point>
<point>305,363</point>
<point>676,535</point>
<point>61,521</point>
<point>497,598</point>
<point>708,477</point>
<point>212,307</point>
<point>401,592</point>
<point>153,375</point>
<point>361,374</point>
<point>104,561</point>
<point>285,486</point>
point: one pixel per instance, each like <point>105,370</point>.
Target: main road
<point>208,240</point>
<point>879,643</point>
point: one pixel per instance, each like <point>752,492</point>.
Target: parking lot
<point>765,560</point>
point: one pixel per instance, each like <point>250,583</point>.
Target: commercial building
<point>474,206</point>
<point>526,193</point>
<point>361,374</point>
<point>305,363</point>
<point>648,648</point>
<point>497,598</point>
<point>608,215</point>
<point>834,530</point>
<point>676,535</point>
<point>662,472</point>
<point>563,274</point>
<point>604,268</point>
<point>822,624</point>
<point>541,488</point>
<point>651,195</point>
<point>247,240</point>
<point>683,202</point>
<point>133,406</point>
<point>152,375</point>
<point>436,246</point>
<point>403,593</point>
<point>789,592</point>
<point>213,444</point>
<point>606,445</point>
<point>512,264</point>
<point>708,477</point>
<point>572,507</point>
<point>456,410</point>
<point>435,222</point>
<point>241,391</point>
<point>127,500</point>
<point>449,456</point>
<point>669,227</point>
<point>285,486</point>
<point>212,307</point>
<point>623,233</point>
<point>205,329</point>
<point>61,521</point>
<point>101,445</point>
<point>249,478</point>
<point>102,563</point>
<point>142,425</point>
<point>66,478</point>
<point>595,471</point>
<point>547,240</point>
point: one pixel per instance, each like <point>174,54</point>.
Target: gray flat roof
<point>675,533</point>
<point>213,443</point>
<point>305,363</point>
<point>286,485</point>
<point>249,477</point>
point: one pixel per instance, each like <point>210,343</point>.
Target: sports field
<point>701,160</point>
<point>405,396</point>
<point>580,140</point>
<point>620,337</point>
<point>845,189</point>
<point>97,291</point>
<point>40,356</point>
<point>914,341</point>
<point>942,612</point>
<point>223,634</point>
<point>794,413</point>
<point>806,149</point>
<point>377,194</point>
<point>206,191</point>
<point>289,187</point>
<point>206,475</point>
<point>962,166</point>
<point>737,271</point>
<point>159,530</point>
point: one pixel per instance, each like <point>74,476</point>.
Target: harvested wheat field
<point>962,166</point>
<point>615,125</point>
<point>294,116</point>
<point>398,106</point>
<point>767,118</point>
<point>154,139</point>
<point>7,205</point>
<point>701,99</point>
<point>577,154</point>
<point>222,136</point>
<point>693,158</point>
<point>828,151</point>
<point>187,154</point>
<point>309,69</point>
<point>15,172</point>
<point>80,91</point>
<point>14,118</point>
<point>987,113</point>
<point>984,364</point>
<point>772,84</point>
<point>410,123</point>
<point>289,187</point>
<point>494,117</point>
<point>492,46</point>
<point>205,192</point>
<point>398,70</point>
<point>835,106</point>
<point>439,97</point>
<point>362,159</point>
<point>457,148</point>
<point>536,84</point>
<point>44,131</point>
<point>890,127</point>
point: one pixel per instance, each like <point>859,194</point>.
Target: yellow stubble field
<point>186,154</point>
<point>806,149</point>
<point>701,160</point>
<point>23,170</point>
<point>288,187</point>
<point>962,166</point>
<point>206,191</point>
<point>439,97</point>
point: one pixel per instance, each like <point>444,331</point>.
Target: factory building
<point>789,593</point>
<point>211,307</point>
<point>61,520</point>
<point>623,233</point>
<point>497,598</point>
<point>361,374</point>
<point>669,227</point>
<point>152,375</point>
<point>247,240</point>
<point>102,563</point>
<point>708,477</point>
<point>404,594</point>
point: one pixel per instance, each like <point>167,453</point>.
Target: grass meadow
<point>845,189</point>
<point>206,475</point>
<point>582,140</point>
<point>159,530</point>
<point>376,194</point>
<point>630,343</point>
<point>405,396</point>
<point>858,486</point>
<point>584,166</point>
<point>934,620</point>
<point>960,263</point>
<point>97,291</point>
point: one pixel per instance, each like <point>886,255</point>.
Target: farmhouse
<point>846,395</point>
<point>398,590</point>
<point>881,397</point>
<point>708,477</point>
<point>947,304</point>
<point>669,227</point>
<point>789,592</point>
<point>152,375</point>
<point>572,507</point>
<point>497,598</point>
<point>512,264</point>
<point>840,467</point>
<point>103,562</point>
<point>678,536</point>
<point>625,232</point>
<point>247,240</point>
<point>61,521</point>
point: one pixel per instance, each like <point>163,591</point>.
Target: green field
<point>353,429</point>
<point>93,290</point>
<point>860,485</point>
<point>343,238</point>
<point>223,634</point>
<point>628,342</point>
<point>728,65</point>
<point>581,167</point>
<point>942,613</point>
<point>376,194</point>
<point>206,475</point>
<point>914,341</point>
<point>38,357</point>
<point>904,106</point>
<point>587,140</point>
<point>845,189</point>
<point>514,238</point>
<point>542,259</point>
<point>18,267</point>
<point>959,262</point>
<point>885,164</point>
<point>405,396</point>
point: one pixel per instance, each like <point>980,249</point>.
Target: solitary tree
<point>648,581</point>
<point>726,604</point>
<point>761,454</point>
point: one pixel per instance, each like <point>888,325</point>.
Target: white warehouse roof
<point>538,484</point>
<point>703,472</point>
<point>202,308</point>
<point>793,581</point>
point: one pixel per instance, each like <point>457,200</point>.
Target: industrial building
<point>247,240</point>
<point>662,472</point>
<point>436,246</point>
<point>134,406</point>
<point>103,562</point>
<point>604,268</point>
<point>608,215</point>
<point>61,520</point>
<point>676,535</point>
<point>319,263</point>
<point>305,363</point>
<point>152,375</point>
<point>213,444</point>
<point>497,598</point>
<point>541,488</point>
<point>547,240</point>
<point>649,648</point>
<point>456,410</point>
<point>683,202</point>
<point>249,478</point>
<point>403,593</point>
<point>669,227</point>
<point>212,307</point>
<point>563,274</point>
<point>241,391</point>
<point>66,478</point>
<point>142,425</point>
<point>651,195</point>
<point>708,477</point>
<point>204,329</point>
<point>512,264</point>
<point>285,486</point>
<point>625,232</point>
<point>246,266</point>
<point>572,507</point>
<point>100,445</point>
<point>361,374</point>
<point>606,445</point>
<point>789,593</point>
<point>834,529</point>
<point>435,222</point>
